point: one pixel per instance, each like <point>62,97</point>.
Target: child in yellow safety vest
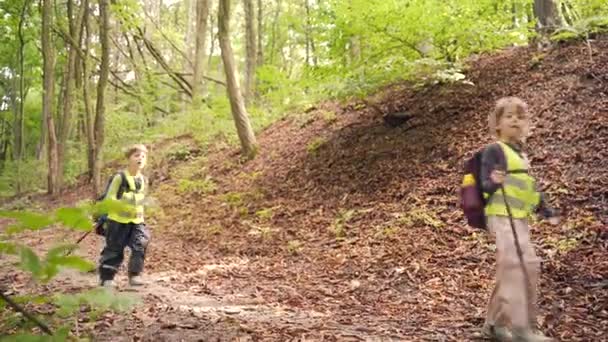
<point>125,226</point>
<point>504,167</point>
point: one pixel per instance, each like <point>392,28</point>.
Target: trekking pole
<point>519,253</point>
<point>79,241</point>
<point>82,237</point>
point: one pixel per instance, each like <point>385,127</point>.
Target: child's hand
<point>554,221</point>
<point>498,177</point>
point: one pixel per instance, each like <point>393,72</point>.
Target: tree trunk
<point>20,129</point>
<point>275,29</point>
<point>48,93</point>
<point>19,113</point>
<point>189,39</point>
<point>239,113</point>
<point>202,13</point>
<point>260,49</point>
<point>211,42</point>
<point>66,120</point>
<point>88,115</point>
<point>310,43</point>
<point>547,15</point>
<point>41,146</point>
<point>104,39</point>
<point>4,143</point>
<point>250,63</point>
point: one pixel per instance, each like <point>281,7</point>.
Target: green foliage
<point>314,146</point>
<point>214,229</point>
<point>294,247</point>
<point>338,227</point>
<point>26,220</point>
<point>76,218</point>
<point>421,217</point>
<point>61,335</point>
<point>99,299</point>
<point>582,29</point>
<point>234,199</point>
<point>265,214</point>
<point>330,117</point>
<point>197,187</point>
<point>46,267</point>
<point>387,231</point>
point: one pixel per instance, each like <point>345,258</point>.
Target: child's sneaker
<point>497,332</point>
<point>530,336</point>
<point>136,281</point>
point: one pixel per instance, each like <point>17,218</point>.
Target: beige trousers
<point>509,304</point>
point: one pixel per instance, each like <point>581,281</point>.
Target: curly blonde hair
<point>500,108</point>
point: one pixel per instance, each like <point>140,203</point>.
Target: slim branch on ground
<point>25,314</point>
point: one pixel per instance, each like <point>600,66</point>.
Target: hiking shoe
<point>109,284</point>
<point>136,281</point>
<point>496,332</point>
<point>530,336</point>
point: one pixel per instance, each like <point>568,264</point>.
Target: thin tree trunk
<point>212,42</point>
<point>48,93</point>
<point>19,113</point>
<point>104,32</point>
<point>260,49</point>
<point>275,28</point>
<point>202,13</point>
<point>22,93</point>
<point>176,21</point>
<point>4,143</point>
<point>547,13</point>
<point>307,33</point>
<point>189,39</point>
<point>250,46</point>
<point>66,121</point>
<point>88,115</point>
<point>41,146</point>
<point>13,93</point>
<point>239,112</point>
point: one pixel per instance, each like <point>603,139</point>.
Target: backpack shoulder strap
<point>124,185</point>
<point>503,155</point>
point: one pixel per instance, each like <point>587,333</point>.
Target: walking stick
<point>519,254</point>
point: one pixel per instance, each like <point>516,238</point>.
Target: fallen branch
<point>25,314</point>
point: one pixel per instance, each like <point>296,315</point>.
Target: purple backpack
<point>472,201</point>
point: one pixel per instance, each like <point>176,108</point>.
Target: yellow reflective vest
<point>520,188</point>
<point>132,198</point>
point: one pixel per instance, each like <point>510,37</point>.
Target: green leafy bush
<point>45,267</point>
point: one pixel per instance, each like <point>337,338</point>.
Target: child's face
<point>138,160</point>
<point>512,124</point>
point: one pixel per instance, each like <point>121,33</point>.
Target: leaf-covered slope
<point>361,219</point>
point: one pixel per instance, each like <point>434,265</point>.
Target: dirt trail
<point>180,306</point>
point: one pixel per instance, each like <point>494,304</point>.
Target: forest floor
<point>344,228</point>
